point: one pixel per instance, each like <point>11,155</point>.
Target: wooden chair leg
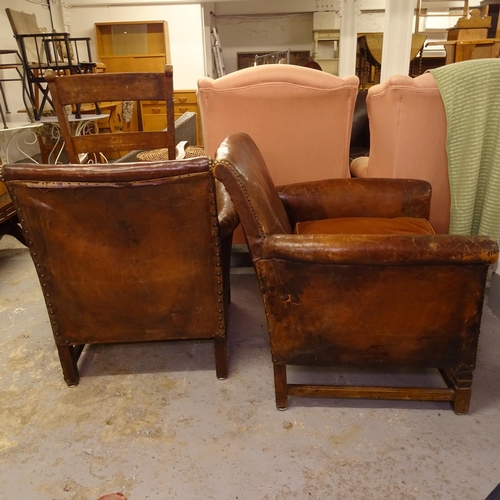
<point>69,359</point>
<point>220,344</point>
<point>12,228</point>
<point>461,383</point>
<point>280,386</point>
<point>226,247</point>
<point>461,404</point>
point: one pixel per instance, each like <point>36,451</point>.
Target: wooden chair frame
<point>100,87</point>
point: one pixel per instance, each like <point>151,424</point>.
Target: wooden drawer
<point>183,97</point>
<point>179,109</point>
<point>153,108</point>
<point>185,100</point>
<point>154,112</point>
<point>154,122</point>
<point>154,115</point>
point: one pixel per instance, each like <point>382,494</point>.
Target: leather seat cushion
<point>365,225</point>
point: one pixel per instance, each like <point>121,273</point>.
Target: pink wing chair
<point>299,118</point>
<point>408,139</point>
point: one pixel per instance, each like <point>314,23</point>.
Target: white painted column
<point>398,25</point>
<point>206,8</point>
<point>60,16</point>
<point>348,37</point>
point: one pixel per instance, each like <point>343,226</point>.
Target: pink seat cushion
<point>365,225</point>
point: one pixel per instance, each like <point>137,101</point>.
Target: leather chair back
<point>127,253</point>
<point>259,203</point>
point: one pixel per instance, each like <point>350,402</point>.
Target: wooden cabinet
<point>143,46</point>
<point>154,115</point>
<point>153,112</point>
<point>136,46</point>
<point>185,100</point>
<point>133,46</point>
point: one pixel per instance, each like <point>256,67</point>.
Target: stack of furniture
<point>16,65</point>
<point>42,51</point>
<point>469,39</point>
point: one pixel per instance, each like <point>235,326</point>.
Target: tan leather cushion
<point>365,225</point>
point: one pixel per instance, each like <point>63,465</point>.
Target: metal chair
<point>42,51</point>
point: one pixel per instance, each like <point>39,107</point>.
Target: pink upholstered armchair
<point>408,139</point>
<point>299,118</point>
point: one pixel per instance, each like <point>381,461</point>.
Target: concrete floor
<point>152,421</point>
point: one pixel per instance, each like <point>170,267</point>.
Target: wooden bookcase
<point>327,42</point>
<point>142,46</point>
<point>133,46</point>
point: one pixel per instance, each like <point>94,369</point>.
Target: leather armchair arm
<point>396,250</point>
<point>356,198</point>
<point>228,217</point>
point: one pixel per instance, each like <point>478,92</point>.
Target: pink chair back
<point>408,138</point>
<point>299,118</point>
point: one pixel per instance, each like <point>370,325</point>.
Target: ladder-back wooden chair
<point>75,90</point>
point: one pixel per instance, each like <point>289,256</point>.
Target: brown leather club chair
<point>128,253</point>
<point>352,274</point>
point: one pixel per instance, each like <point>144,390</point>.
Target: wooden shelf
<point>136,46</point>
<point>133,46</point>
<point>329,41</point>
